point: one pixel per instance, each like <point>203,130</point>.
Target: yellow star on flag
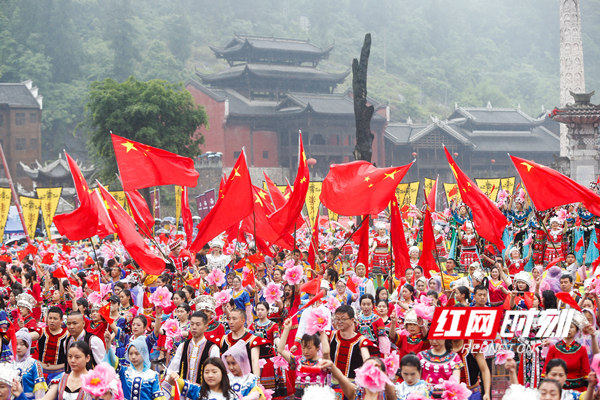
<point>235,172</point>
<point>367,179</point>
<point>529,166</point>
<point>129,146</point>
<point>303,156</point>
<point>263,195</point>
<point>258,200</point>
<point>303,179</point>
<point>391,175</point>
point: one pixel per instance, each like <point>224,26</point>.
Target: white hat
<point>580,320</point>
<point>413,249</point>
<point>318,392</point>
<point>524,277</point>
<point>410,317</point>
<point>8,373</point>
<point>217,242</point>
<point>26,300</point>
<point>478,275</point>
<point>205,302</point>
<point>379,225</point>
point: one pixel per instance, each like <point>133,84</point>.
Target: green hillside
<point>427,55</point>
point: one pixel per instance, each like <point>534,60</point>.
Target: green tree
<point>157,113</point>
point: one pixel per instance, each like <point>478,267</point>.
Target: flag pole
<point>14,194</point>
<point>437,256</point>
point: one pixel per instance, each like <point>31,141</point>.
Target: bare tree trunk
<point>362,113</point>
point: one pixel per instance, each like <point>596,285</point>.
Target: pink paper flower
<point>416,396</point>
<point>293,275</point>
<point>216,277</point>
<point>318,320</point>
<point>332,303</point>
<point>561,215</point>
<point>98,381</point>
<point>222,297</point>
<point>528,241</point>
<point>78,293</point>
<point>425,300</point>
<point>595,365</point>
<point>161,297</point>
<point>371,377</point>
<point>95,298</point>
<point>392,363</point>
<point>424,311</point>
<point>268,392</point>
<point>105,290</point>
<point>454,390</point>
<point>357,281</point>
<point>262,362</point>
<point>171,328</point>
<point>503,355</point>
<point>280,362</point>
<point>272,293</point>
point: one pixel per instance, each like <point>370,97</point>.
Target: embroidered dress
<point>515,266</point>
<point>438,368</point>
<point>346,353</point>
<point>553,245</point>
<point>382,260</point>
<point>410,344</point>
<point>440,246</point>
<point>269,330</point>
<point>468,252</point>
<point>244,385</point>
<point>305,378</point>
<point>578,365</point>
<point>403,390</point>
<point>371,327</point>
<point>31,377</point>
<point>241,299</point>
<point>64,393</point>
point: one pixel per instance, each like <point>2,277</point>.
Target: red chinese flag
<point>256,258</point>
<point>554,262</point>
<point>489,220</point>
<point>358,188</point>
<point>81,223</point>
<point>548,188</point>
<point>89,261</point>
<point>124,225</point>
<point>363,247</point>
<point>48,258</point>
<point>195,283</point>
<point>93,282</point>
<point>60,272</point>
<point>186,215</point>
<point>427,260</point>
<point>432,196</point>
<point>351,286</point>
<point>249,279</point>
<point>234,204</point>
<point>105,226</point>
<point>276,195</point>
<point>398,239</point>
<point>453,192</point>
<point>579,244</point>
<point>140,211</point>
<point>105,313</point>
<point>142,166</point>
<point>285,219</point>
<point>568,299</point>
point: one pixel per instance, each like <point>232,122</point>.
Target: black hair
<point>367,296</point>
<point>382,301</point>
<point>85,349</point>
<point>111,263</point>
<point>142,319</point>
<point>411,360</point>
<point>549,299</point>
<point>464,291</point>
<point>264,304</point>
<point>239,311</point>
<point>556,362</point>
<point>119,285</point>
<point>186,307</point>
<point>552,382</point>
<point>187,289</point>
<point>307,339</point>
<point>76,313</point>
<point>379,290</point>
<point>166,278</point>
<point>127,293</point>
<point>345,309</point>
<point>200,314</point>
<point>419,267</point>
<point>480,287</point>
<point>566,276</point>
<point>228,393</point>
<point>411,289</point>
<point>332,273</point>
<point>56,310</point>
<point>180,293</point>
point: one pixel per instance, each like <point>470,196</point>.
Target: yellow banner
<point>313,201</point>
<point>413,192</point>
<point>489,186</point>
<point>49,198</point>
<point>508,184</point>
<point>31,213</point>
<point>332,216</point>
<point>452,193</point>
<point>427,185</point>
<point>5,197</point>
<point>178,190</point>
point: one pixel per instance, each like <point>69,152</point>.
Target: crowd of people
<point>82,321</point>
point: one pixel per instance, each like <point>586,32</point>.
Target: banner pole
<point>14,194</point>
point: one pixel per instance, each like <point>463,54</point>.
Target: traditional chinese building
<point>479,139</point>
<point>271,89</point>
<point>20,128</point>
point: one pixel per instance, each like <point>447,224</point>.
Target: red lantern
<point>311,161</point>
<point>493,161</point>
<point>414,154</point>
<point>455,155</point>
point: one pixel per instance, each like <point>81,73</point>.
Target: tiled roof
<point>17,94</point>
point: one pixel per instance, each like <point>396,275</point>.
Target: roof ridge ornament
<point>489,106</point>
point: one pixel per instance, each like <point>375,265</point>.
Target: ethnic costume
<point>138,385</point>
<point>403,390</point>
<point>247,383</point>
<point>519,220</point>
<point>382,260</point>
<point>228,341</point>
<point>578,364</point>
<point>306,375</point>
<point>346,353</point>
<point>515,265</point>
<point>30,370</point>
<point>189,358</point>
<point>410,344</point>
<point>539,240</point>
<point>554,243</point>
<point>468,251</point>
<point>65,393</point>
<point>51,350</point>
<point>438,368</point>
<point>269,378</point>
<point>241,299</point>
<point>371,327</point>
